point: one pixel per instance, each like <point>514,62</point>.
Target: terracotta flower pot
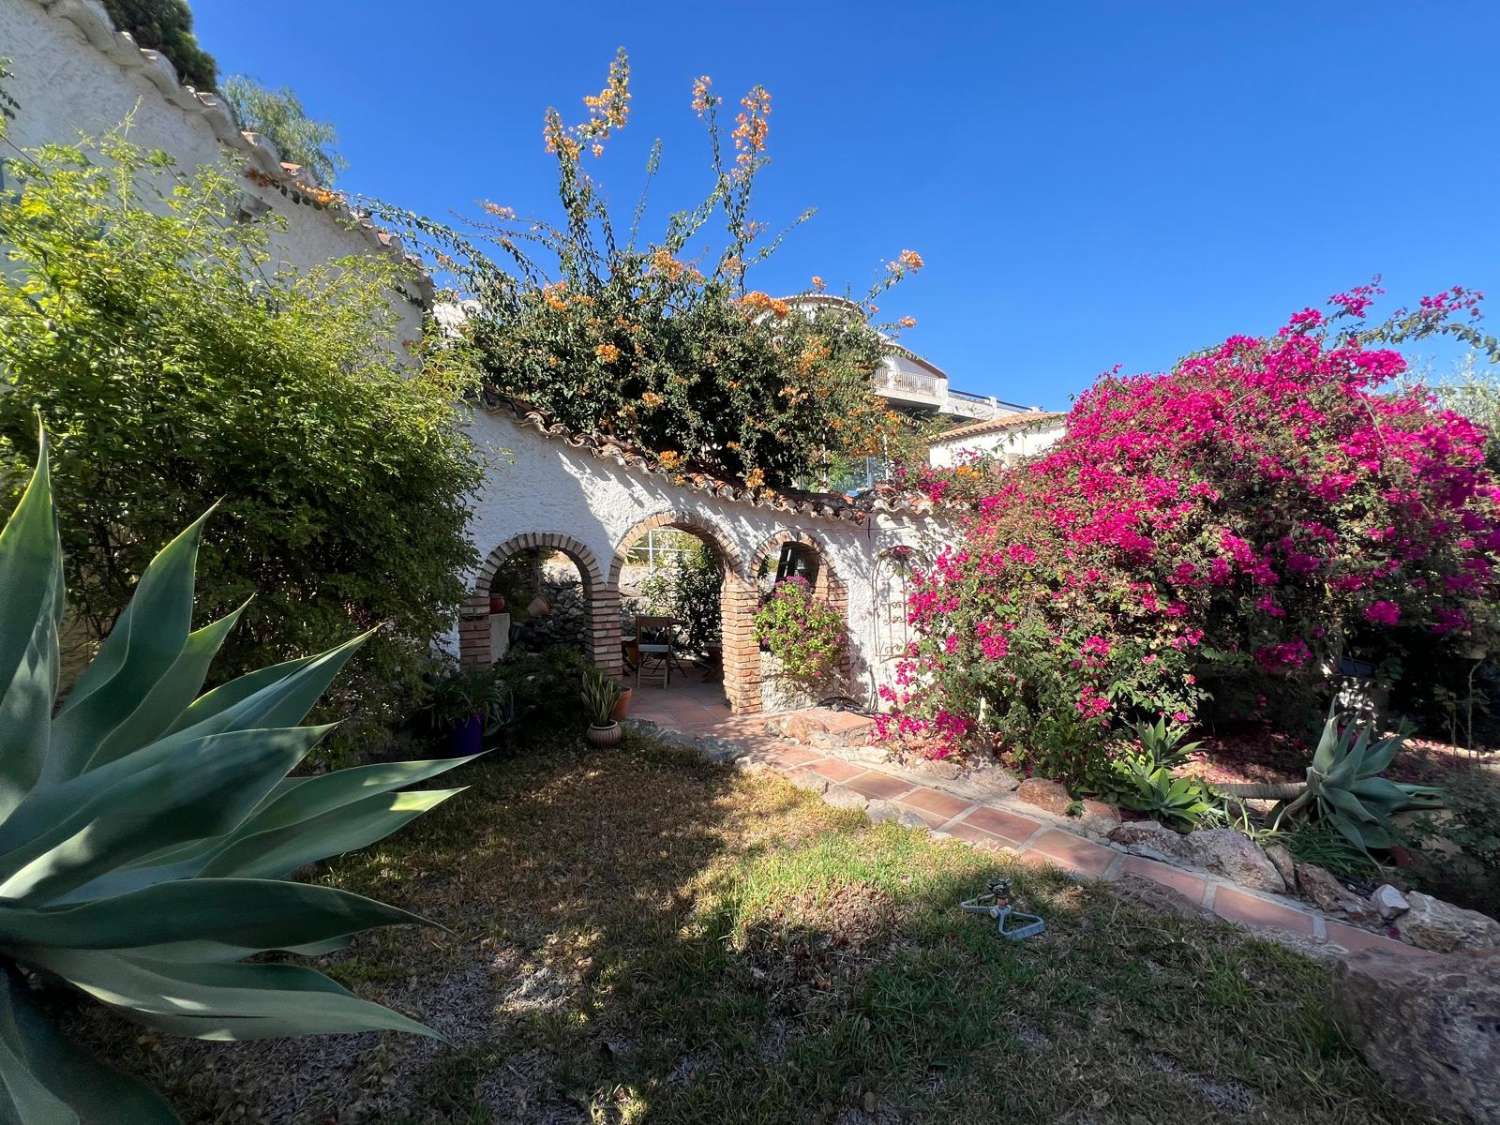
<point>605,735</point>
<point>622,705</point>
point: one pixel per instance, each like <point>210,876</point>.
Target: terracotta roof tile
<point>1020,420</point>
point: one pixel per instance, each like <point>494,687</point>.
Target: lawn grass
<point>634,936</point>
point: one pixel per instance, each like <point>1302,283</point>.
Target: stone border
<point>1004,824</point>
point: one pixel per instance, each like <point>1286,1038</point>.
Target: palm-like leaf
<point>146,831</point>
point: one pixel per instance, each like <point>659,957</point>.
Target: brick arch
<point>828,585</point>
<point>729,554</point>
<point>737,605</point>
<point>474,626</point>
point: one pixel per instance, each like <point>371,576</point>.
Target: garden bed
<point>637,935</point>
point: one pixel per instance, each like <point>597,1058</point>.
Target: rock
<point>1388,902</point>
<point>1332,897</point>
<point>1431,923</point>
<point>1152,840</point>
<point>1282,860</point>
<point>880,811</point>
<point>842,797</point>
<point>1234,856</point>
<point>1427,1026</point>
<point>1098,817</point>
<point>1044,794</point>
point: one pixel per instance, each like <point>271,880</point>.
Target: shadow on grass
<point>637,936</point>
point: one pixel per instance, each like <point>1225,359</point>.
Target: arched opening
<point>536,591</point>
<point>679,583</point>
<point>794,554</point>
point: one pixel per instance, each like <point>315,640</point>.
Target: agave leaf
<point>255,913</point>
<point>281,702</point>
<point>1324,755</point>
<point>280,851</point>
<point>1380,789</point>
<point>203,791</point>
<point>221,698</point>
<point>303,798</point>
<point>168,698</point>
<point>1381,755</point>
<point>46,1079</point>
<point>183,952</point>
<point>218,1001</point>
<point>142,647</point>
<point>1346,803</point>
<point>1347,767</point>
<point>31,609</point>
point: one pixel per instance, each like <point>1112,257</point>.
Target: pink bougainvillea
<point>1269,506</point>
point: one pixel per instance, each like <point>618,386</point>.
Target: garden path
<point>828,751</point>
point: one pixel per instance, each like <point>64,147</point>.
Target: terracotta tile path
<point>845,776</point>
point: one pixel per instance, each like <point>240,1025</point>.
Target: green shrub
<point>167,26</point>
<point>146,831</point>
<point>661,342</point>
<point>176,368</point>
<point>278,116</point>
<point>803,632</point>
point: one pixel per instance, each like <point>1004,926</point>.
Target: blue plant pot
<point>466,738</point>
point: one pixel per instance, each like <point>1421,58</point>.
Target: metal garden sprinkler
<point>1009,924</point>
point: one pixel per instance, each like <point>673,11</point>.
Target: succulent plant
<point>1344,786</point>
<point>146,832</point>
<point>599,694</point>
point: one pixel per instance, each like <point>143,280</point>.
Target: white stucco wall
<point>541,484</point>
<point>72,75</point>
<point>1009,444</point>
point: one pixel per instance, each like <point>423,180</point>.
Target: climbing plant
<point>663,341</point>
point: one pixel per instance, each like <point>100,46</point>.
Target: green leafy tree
<point>167,26</point>
<point>176,368</point>
<point>279,117</point>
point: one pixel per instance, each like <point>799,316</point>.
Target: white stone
<point>1389,902</point>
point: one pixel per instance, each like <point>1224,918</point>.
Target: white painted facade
<point>73,74</point>
<point>1010,444</point>
<point>542,484</point>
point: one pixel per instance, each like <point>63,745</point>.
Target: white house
<point>1010,437</point>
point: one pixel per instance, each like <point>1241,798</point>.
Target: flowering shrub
<point>803,632</point>
<point>664,343</point>
<point>1237,525</point>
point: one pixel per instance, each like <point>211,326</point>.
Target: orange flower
<point>751,126</point>
<point>652,399</point>
<point>554,295</point>
<point>702,99</point>
<point>607,353</point>
<point>755,478</point>
<point>907,322</point>
<point>498,211</point>
<point>818,283</point>
<point>757,301</point>
<point>669,458</point>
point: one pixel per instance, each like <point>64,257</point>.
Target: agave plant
<point>1344,786</point>
<point>146,832</point>
<point>1140,783</point>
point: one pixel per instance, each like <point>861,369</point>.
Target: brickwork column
<point>737,605</point>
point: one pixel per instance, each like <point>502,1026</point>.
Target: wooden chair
<point>656,645</point>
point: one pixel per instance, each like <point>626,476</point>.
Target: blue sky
<point>1090,184</point>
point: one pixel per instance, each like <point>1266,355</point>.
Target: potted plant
<point>621,708</point>
<point>468,703</point>
<point>600,694</point>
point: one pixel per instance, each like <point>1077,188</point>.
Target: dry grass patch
<point>636,936</point>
